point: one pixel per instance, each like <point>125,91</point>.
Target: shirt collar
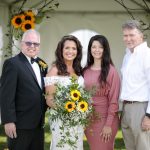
<point>137,48</point>
<point>29,58</point>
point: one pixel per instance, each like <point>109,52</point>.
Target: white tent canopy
<point>88,16</point>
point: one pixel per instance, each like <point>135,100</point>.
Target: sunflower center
<point>28,26</point>
<point>75,95</point>
<point>27,17</point>
<point>82,105</point>
<point>69,106</point>
<point>18,21</point>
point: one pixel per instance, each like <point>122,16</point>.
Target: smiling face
<point>97,50</point>
<point>132,38</point>
<point>69,50</point>
<point>30,44</point>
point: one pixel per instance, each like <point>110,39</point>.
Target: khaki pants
<point>134,137</point>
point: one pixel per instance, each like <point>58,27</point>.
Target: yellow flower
<point>26,25</point>
<point>17,21</point>
<point>82,106</point>
<point>75,95</point>
<point>70,106</point>
<point>42,64</point>
<point>29,15</point>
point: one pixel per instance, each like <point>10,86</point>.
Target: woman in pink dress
<point>100,74</point>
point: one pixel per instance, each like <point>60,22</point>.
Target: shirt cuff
<point>148,108</point>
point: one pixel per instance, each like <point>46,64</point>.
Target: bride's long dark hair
<point>106,60</point>
<point>60,63</point>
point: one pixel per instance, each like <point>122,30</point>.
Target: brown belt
<point>129,102</point>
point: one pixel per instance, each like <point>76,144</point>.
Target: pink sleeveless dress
<point>105,102</point>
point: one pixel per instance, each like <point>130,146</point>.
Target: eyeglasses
<point>29,44</point>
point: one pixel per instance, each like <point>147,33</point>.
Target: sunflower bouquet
<point>73,108</point>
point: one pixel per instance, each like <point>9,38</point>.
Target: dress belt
<point>130,102</point>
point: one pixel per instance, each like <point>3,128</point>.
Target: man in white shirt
<point>135,92</point>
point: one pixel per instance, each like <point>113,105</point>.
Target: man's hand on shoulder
<point>10,130</point>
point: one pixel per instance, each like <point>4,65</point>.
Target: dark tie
<point>33,60</point>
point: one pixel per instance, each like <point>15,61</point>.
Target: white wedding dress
<point>55,126</point>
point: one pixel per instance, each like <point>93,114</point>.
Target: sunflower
<point>82,106</point>
<point>17,20</point>
<point>75,95</point>
<point>29,15</point>
<point>70,106</point>
<point>26,25</point>
<point>42,64</point>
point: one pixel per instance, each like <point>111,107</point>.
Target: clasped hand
<point>106,134</point>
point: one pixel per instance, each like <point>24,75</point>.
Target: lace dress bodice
<point>64,80</point>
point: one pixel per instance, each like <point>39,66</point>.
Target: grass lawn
<point>119,144</point>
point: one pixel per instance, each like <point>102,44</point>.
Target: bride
<point>68,63</point>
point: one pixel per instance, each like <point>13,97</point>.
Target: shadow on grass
<point>85,144</point>
<point>119,143</point>
<point>3,145</point>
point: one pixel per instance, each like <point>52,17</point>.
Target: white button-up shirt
<point>136,75</point>
<point>36,70</point>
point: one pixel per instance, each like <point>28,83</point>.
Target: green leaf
<point>39,19</point>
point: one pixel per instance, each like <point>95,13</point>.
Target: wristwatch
<point>148,115</point>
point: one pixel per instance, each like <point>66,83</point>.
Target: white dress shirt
<point>36,70</point>
<point>136,75</point>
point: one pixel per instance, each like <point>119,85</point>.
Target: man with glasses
<point>22,96</point>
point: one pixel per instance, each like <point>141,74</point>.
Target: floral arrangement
<point>23,19</point>
<point>26,19</point>
<point>73,108</point>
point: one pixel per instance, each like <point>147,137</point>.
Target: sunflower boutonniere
<point>42,65</point>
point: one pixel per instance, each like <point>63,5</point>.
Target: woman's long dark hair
<point>60,63</point>
<point>106,57</point>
